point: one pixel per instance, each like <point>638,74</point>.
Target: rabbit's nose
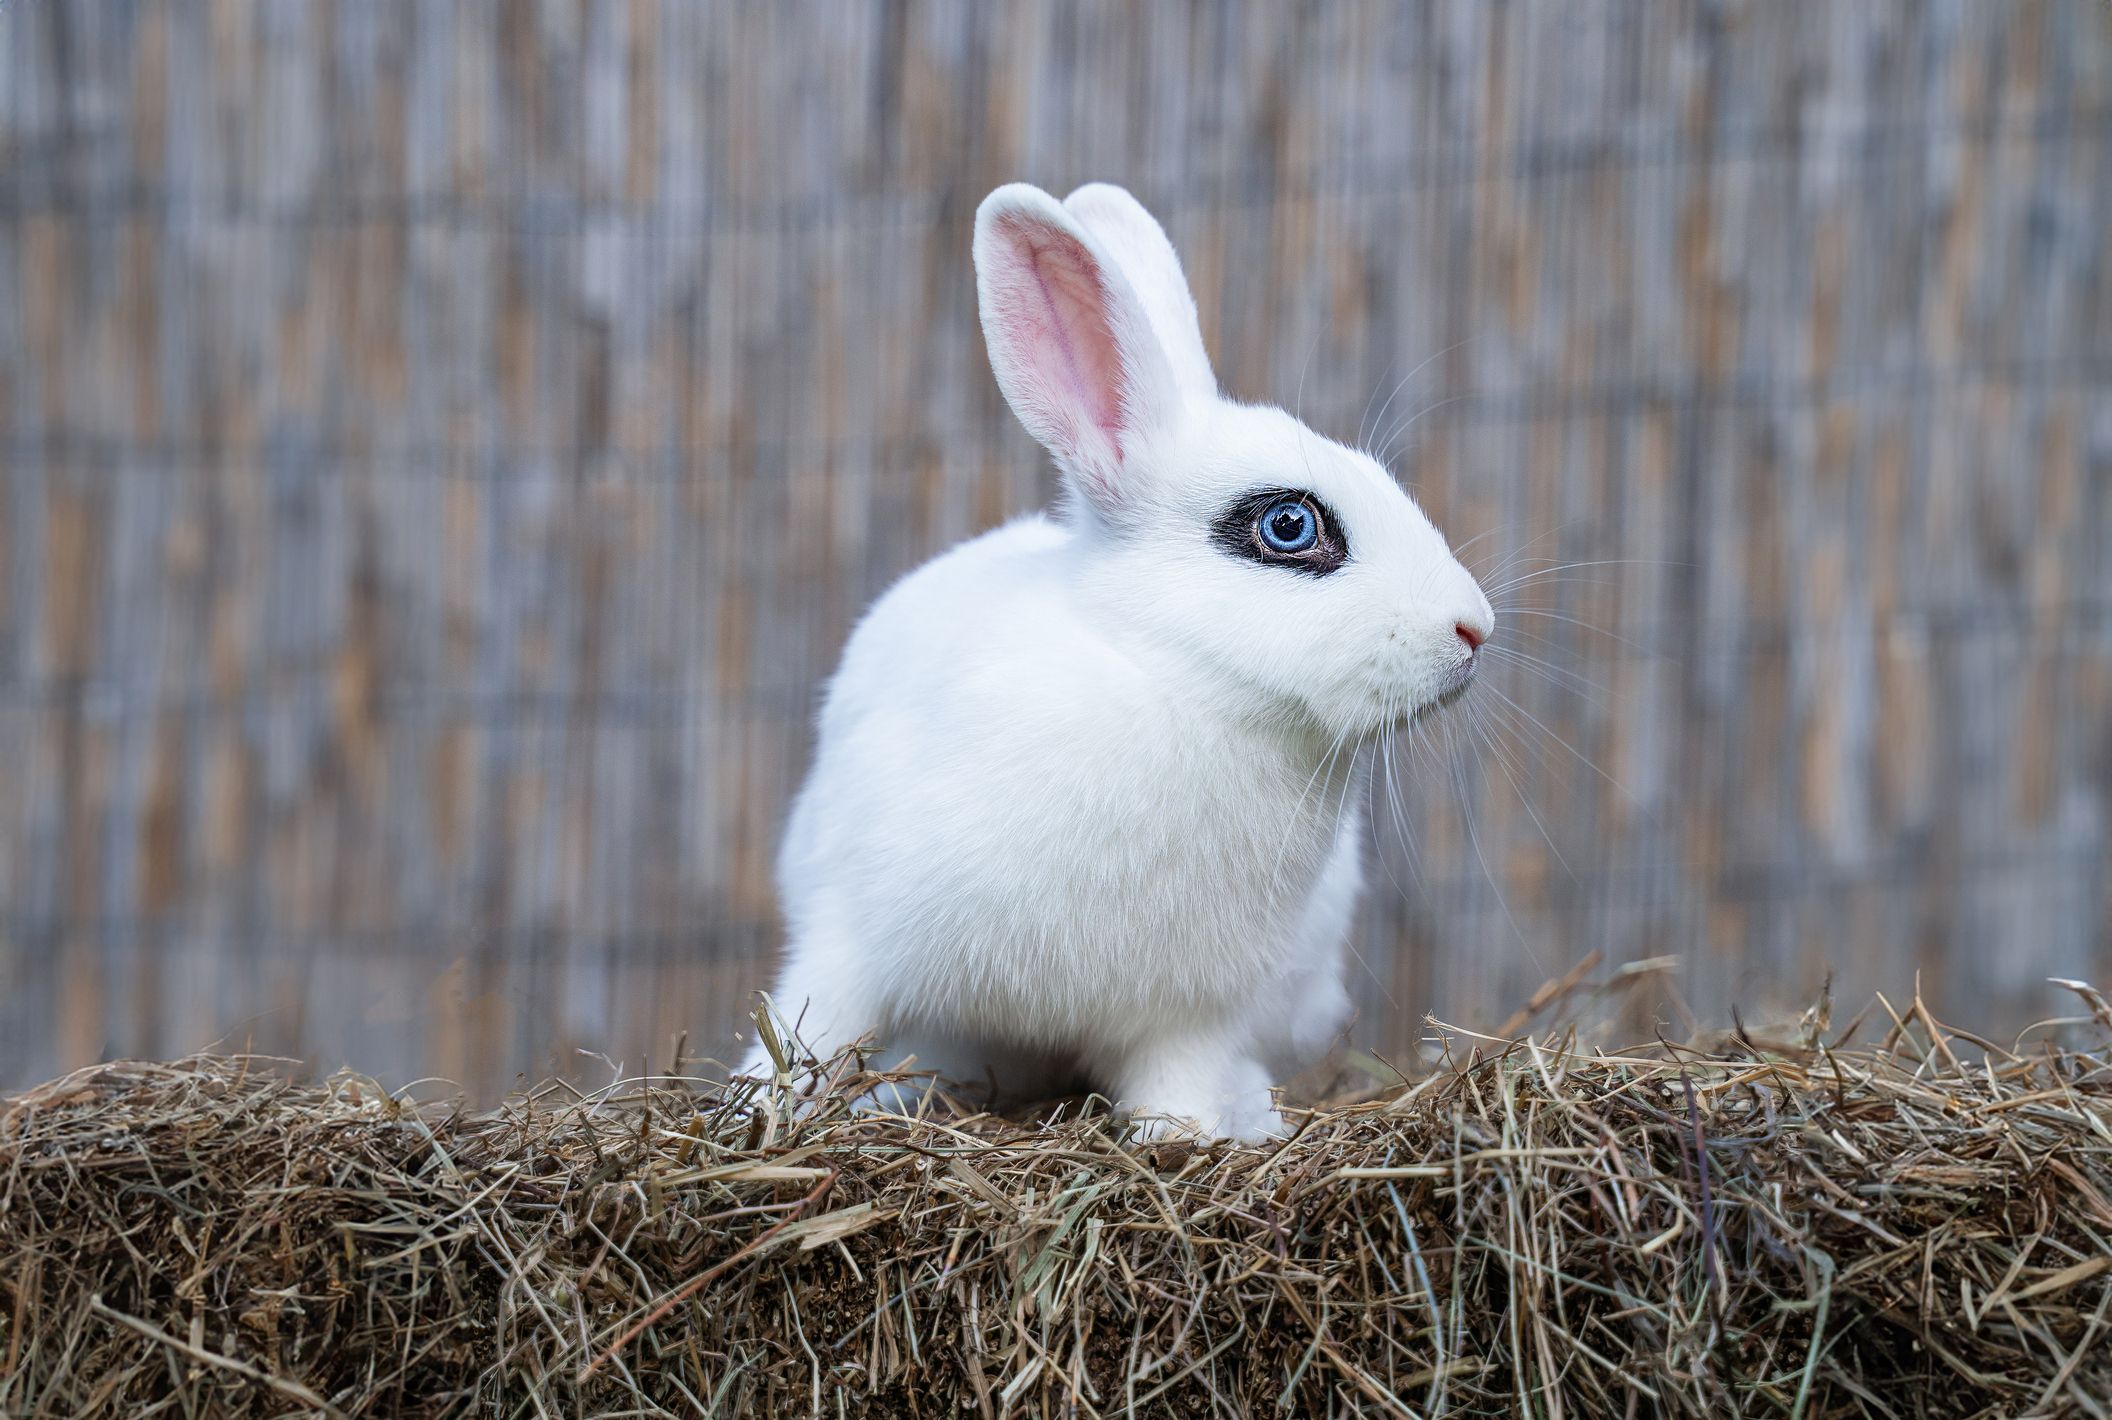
<point>1472,635</point>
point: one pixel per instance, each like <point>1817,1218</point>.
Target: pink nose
<point>1469,635</point>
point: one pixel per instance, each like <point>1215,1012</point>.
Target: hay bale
<point>1912,1227</point>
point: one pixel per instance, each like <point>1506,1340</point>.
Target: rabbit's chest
<point>1173,870</point>
<point>1055,842</point>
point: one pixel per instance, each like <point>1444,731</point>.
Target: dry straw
<point>1913,1226</point>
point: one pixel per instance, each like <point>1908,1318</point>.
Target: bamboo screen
<point>444,446</point>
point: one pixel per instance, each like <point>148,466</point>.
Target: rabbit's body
<point>1085,799</point>
<point>932,801</point>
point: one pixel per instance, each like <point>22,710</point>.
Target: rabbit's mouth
<point>1448,696</point>
<point>1459,686</point>
<point>1458,680</point>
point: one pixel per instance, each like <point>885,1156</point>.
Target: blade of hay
<point>293,1390</point>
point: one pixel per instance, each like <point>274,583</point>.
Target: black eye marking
<point>1282,527</point>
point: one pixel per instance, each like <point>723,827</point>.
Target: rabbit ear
<point>1072,346</point>
<point>1139,247</point>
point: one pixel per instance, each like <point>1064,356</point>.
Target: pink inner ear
<point>1061,332</point>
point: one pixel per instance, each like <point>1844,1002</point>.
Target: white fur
<point>1084,799</point>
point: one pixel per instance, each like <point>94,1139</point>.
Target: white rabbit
<point>1084,802</point>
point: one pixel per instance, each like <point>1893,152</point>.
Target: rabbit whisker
<point>1573,621</point>
<point>1423,365</point>
<point>1556,569</point>
<point>1581,758</point>
<point>1560,677</point>
<point>1394,437</point>
<point>1474,840</point>
<point>1320,771</point>
<point>1516,555</point>
<point>1477,725</point>
<point>1484,535</point>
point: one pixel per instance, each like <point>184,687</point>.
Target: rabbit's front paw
<point>1197,1088</point>
<point>1246,1126</point>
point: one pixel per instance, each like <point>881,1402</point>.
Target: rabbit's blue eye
<point>1282,527</point>
<point>1289,526</point>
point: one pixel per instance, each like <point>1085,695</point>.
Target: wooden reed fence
<point>443,446</point>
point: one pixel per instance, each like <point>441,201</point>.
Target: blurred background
<point>444,446</point>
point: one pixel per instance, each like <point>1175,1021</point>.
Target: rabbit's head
<point>1279,569</point>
